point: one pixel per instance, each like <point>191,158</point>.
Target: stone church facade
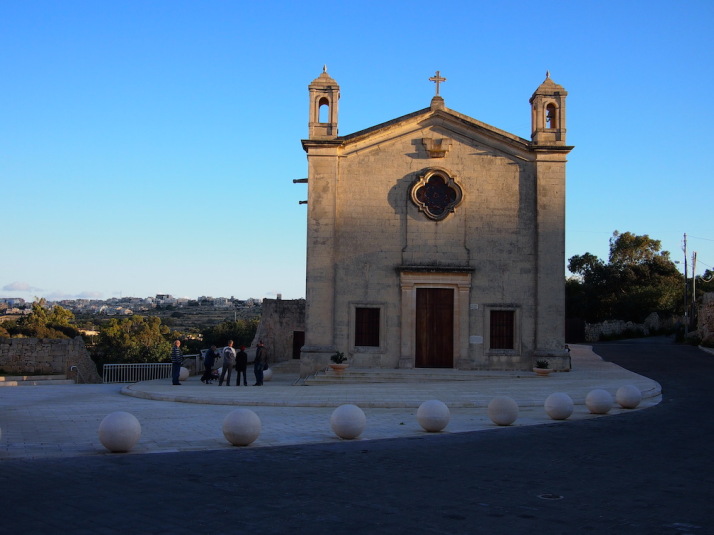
<point>435,240</point>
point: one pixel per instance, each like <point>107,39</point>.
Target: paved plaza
<point>635,472</point>
<point>50,421</point>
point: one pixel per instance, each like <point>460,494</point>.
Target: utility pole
<point>686,300</point>
<point>694,289</point>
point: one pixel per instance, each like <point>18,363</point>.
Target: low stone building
<point>281,328</point>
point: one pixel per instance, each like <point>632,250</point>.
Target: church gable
<point>433,131</point>
<point>427,174</point>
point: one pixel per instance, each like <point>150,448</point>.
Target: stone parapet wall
<point>652,324</point>
<point>47,356</point>
<point>706,319</point>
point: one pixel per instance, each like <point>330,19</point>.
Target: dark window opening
<point>367,327</point>
<point>550,116</point>
<point>502,329</point>
<point>436,195</point>
<point>324,111</point>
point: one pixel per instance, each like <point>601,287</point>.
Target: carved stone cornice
<point>436,147</point>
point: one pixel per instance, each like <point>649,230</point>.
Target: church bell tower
<point>548,113</point>
<point>324,95</point>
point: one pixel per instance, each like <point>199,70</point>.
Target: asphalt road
<point>645,472</point>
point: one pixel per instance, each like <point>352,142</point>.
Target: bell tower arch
<point>324,96</point>
<point>548,113</point>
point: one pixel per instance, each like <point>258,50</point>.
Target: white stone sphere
<point>433,415</point>
<point>268,374</point>
<point>628,396</point>
<point>598,401</point>
<point>183,374</point>
<point>503,410</point>
<point>559,406</point>
<point>241,427</point>
<point>119,431</point>
<point>348,421</point>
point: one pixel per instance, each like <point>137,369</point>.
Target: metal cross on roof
<point>437,79</point>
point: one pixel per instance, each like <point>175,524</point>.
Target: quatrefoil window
<point>436,194</point>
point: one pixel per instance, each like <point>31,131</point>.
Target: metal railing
<point>146,371</point>
<point>133,373</point>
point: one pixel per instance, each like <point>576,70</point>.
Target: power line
<point>707,265</point>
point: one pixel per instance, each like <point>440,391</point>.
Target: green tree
<point>638,279</point>
<point>60,316</point>
<point>588,294</point>
<point>46,322</point>
<point>241,331</point>
<point>132,339</point>
<point>630,249</point>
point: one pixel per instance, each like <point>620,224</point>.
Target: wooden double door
<point>434,324</point>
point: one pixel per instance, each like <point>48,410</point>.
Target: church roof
<point>549,84</point>
<point>437,110</point>
<point>324,79</point>
<point>386,124</point>
<point>549,87</point>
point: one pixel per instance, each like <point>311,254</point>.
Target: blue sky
<point>150,147</point>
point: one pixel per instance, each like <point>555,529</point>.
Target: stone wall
<point>279,320</point>
<point>706,319</point>
<point>47,356</point>
<point>652,324</point>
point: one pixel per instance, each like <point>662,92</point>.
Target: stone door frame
<point>410,280</point>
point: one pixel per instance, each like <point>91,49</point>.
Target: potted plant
<point>339,362</point>
<point>542,367</point>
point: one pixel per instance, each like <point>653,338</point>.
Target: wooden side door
<point>434,328</point>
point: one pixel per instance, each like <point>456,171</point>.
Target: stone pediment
<point>449,124</point>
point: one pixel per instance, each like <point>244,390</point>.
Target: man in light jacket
<point>229,359</point>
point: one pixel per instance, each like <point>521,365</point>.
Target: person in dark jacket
<point>241,366</point>
<point>261,358</point>
<point>208,363</point>
<point>176,358</point>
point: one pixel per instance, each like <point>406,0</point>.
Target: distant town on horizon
<point>126,306</point>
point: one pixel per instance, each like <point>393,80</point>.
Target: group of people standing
<point>237,360</point>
